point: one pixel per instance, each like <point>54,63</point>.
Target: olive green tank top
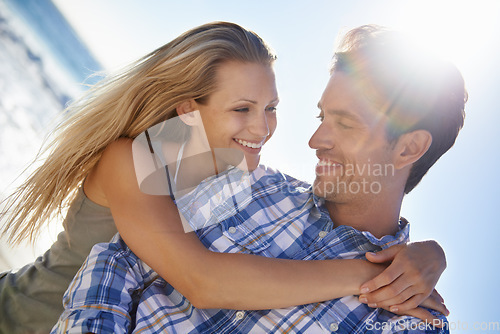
<point>31,298</point>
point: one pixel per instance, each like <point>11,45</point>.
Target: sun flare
<point>456,30</point>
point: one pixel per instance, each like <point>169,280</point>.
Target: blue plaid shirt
<point>115,292</point>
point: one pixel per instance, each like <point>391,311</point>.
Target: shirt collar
<point>217,197</point>
<point>401,237</point>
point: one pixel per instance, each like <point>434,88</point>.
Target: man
<point>386,117</point>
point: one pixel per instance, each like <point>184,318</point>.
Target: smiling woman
<point>90,165</point>
<point>247,122</point>
<point>225,72</point>
<point>453,194</point>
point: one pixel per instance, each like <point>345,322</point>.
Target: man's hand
<point>408,281</point>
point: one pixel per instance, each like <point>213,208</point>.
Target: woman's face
<point>241,113</point>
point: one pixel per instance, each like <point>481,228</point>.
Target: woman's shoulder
<point>119,147</point>
<point>117,158</point>
<point>115,167</point>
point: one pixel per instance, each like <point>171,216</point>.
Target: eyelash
<point>344,125</point>
<point>242,109</point>
<point>271,109</point>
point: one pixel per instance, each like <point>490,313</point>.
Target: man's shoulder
<point>272,175</point>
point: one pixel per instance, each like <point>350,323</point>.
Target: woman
<point>225,72</point>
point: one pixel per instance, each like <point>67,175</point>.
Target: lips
<point>249,144</point>
<point>328,163</point>
<point>327,167</point>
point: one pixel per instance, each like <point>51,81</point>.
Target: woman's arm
<point>151,227</point>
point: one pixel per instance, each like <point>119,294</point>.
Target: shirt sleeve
<point>103,296</point>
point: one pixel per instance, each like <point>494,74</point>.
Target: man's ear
<point>186,111</point>
<point>410,147</point>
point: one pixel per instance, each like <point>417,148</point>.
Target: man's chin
<point>325,189</point>
<point>319,188</point>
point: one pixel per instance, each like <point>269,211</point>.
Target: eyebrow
<point>255,102</point>
<point>245,100</point>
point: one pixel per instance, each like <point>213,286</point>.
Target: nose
<point>322,138</point>
<point>260,125</point>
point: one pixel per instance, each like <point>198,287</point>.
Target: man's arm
<point>102,296</point>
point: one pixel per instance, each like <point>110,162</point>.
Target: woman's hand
<point>408,281</point>
<point>435,302</point>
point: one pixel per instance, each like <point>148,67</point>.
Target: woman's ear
<point>410,147</point>
<point>187,112</point>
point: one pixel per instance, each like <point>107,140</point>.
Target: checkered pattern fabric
<point>115,292</point>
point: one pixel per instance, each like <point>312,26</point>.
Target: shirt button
<point>334,327</point>
<point>322,234</point>
<point>232,229</point>
<point>240,315</point>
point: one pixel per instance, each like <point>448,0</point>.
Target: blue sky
<point>455,203</point>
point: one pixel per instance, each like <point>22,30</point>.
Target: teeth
<point>247,144</point>
<point>327,163</point>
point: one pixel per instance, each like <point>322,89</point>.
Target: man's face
<point>355,157</point>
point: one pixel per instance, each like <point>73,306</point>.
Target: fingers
<point>398,299</point>
<point>411,303</point>
<point>388,276</point>
<point>423,315</point>
<point>385,255</point>
<point>410,306</point>
<point>435,302</point>
<point>404,284</point>
<point>436,295</point>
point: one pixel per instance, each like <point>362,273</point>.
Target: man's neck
<point>378,215</point>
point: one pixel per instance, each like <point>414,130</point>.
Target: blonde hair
<point>125,105</point>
